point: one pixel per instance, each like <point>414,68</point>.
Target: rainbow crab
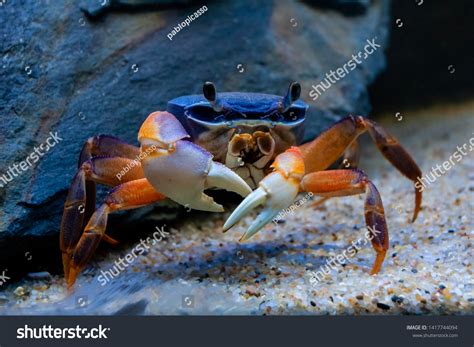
<point>232,141</point>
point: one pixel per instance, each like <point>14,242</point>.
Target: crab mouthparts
<point>248,154</point>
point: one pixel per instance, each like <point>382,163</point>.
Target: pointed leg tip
<point>110,240</point>
<point>415,215</point>
<point>378,262</point>
<point>375,269</point>
<point>71,279</point>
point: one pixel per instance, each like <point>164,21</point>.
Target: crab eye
<point>294,114</point>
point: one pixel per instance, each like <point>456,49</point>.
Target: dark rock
<point>63,73</point>
<point>383,306</point>
<point>133,309</point>
<point>354,7</point>
<point>397,299</point>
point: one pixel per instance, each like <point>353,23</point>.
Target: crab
<point>246,143</point>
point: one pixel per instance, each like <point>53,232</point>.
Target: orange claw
<point>276,192</point>
<point>182,170</point>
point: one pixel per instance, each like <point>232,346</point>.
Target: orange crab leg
<point>106,145</point>
<point>350,160</point>
<point>132,194</point>
<point>102,145</point>
<point>320,153</point>
<point>81,197</point>
<point>351,156</point>
<point>350,182</point>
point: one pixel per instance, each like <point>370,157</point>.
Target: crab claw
<point>276,192</point>
<point>180,169</point>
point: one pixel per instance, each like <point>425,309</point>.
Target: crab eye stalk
<point>210,93</point>
<point>293,94</point>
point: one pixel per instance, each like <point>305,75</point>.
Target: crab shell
<point>227,143</point>
<point>251,112</point>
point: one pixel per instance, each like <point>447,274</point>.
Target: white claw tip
<point>257,197</point>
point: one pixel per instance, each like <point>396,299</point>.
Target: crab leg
<point>351,156</point>
<point>320,153</point>
<point>128,195</point>
<point>98,169</point>
<point>102,145</point>
<point>350,182</point>
<point>105,145</point>
<point>350,160</point>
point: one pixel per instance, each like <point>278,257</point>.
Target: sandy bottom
<point>196,269</point>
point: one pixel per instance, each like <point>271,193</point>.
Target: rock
<point>19,291</point>
<point>133,309</point>
<point>397,299</point>
<point>66,75</point>
<point>353,7</point>
<point>383,306</point>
